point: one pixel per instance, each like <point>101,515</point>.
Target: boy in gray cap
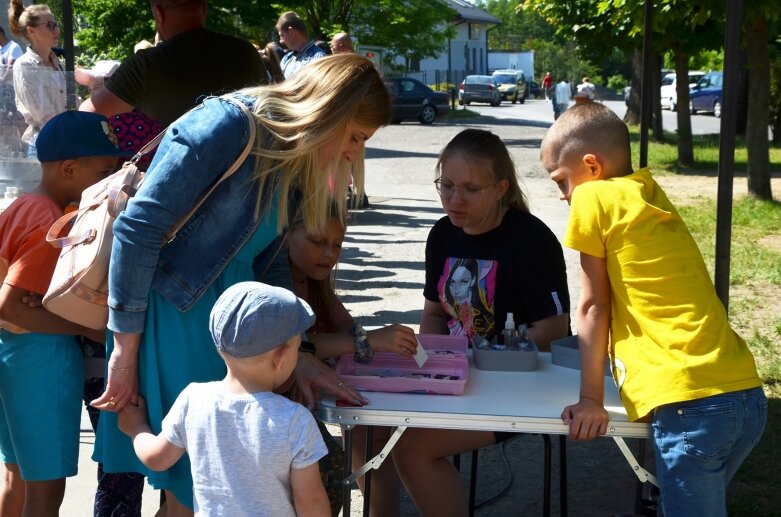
<point>252,452</point>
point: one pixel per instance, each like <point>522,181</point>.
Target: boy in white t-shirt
<point>252,452</point>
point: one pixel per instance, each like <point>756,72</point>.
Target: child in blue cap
<point>41,368</point>
<point>252,452</point>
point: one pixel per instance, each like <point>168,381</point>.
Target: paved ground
<point>381,279</point>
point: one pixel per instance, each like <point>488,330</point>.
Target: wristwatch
<point>308,347</point>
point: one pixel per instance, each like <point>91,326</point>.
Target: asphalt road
<point>539,110</point>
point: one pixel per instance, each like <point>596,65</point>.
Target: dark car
<point>414,100</point>
<point>479,88</point>
<point>534,90</point>
<point>706,94</point>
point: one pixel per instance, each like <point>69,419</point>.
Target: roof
<point>466,12</point>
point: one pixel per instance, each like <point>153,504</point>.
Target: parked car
<point>706,94</point>
<point>479,88</point>
<point>533,90</point>
<point>669,97</point>
<point>414,100</point>
<point>512,84</point>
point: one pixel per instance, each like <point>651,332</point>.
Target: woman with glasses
<point>39,78</point>
<point>490,251</point>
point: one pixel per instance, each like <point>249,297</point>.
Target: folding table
<point>523,402</point>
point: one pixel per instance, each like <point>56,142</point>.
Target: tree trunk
<point>656,106</point>
<point>685,145</point>
<point>632,116</point>
<point>758,101</point>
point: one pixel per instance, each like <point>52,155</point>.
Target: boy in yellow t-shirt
<point>647,295</point>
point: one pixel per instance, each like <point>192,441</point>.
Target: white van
<point>669,98</point>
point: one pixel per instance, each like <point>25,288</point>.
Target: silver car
<point>479,88</point>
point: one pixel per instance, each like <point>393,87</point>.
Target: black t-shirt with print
<point>517,267</point>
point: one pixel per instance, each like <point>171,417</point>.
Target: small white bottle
<point>509,337</point>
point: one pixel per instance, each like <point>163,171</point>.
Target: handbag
<point>78,291</point>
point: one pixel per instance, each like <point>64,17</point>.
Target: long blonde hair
<point>19,17</point>
<point>304,113</point>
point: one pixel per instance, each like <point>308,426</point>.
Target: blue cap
<point>77,134</point>
<point>251,318</point>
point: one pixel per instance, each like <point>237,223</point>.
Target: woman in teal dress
<point>310,136</point>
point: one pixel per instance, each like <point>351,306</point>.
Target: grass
<point>462,113</point>
<point>755,309</point>
<point>663,156</point>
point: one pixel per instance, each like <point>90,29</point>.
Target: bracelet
<point>363,350</point>
<point>118,369</point>
<point>591,399</point>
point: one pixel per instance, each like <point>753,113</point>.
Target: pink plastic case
<point>444,373</point>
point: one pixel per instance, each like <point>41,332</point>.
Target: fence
<point>44,88</point>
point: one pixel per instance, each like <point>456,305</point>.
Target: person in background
<point>165,81</point>
<point>265,461</point>
<point>311,135</point>
<point>41,366</point>
<point>10,51</point>
<point>547,84</point>
<point>39,78</point>
<point>586,91</point>
<point>563,94</point>
<point>270,58</point>
<point>647,301</point>
<point>301,49</point>
<point>341,42</point>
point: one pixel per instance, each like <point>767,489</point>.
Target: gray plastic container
<point>505,360</point>
<point>565,352</point>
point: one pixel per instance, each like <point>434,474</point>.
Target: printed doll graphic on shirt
<point>466,291</point>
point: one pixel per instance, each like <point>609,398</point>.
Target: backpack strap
<point>171,234</point>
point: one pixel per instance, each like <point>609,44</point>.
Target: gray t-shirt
<point>242,448</point>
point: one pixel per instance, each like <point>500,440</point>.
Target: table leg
<point>347,433</point>
<point>546,476</point>
<point>563,474</point>
<point>367,482</point>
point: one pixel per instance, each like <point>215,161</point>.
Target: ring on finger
<point>341,383</point>
<point>111,401</point>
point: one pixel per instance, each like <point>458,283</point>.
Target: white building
<point>465,53</point>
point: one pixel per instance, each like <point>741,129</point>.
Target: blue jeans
<point>699,445</point>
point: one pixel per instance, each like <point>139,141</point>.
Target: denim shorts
<point>699,445</point>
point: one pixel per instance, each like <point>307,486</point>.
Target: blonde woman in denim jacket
<point>311,135</point>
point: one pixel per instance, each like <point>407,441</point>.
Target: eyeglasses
<point>52,26</point>
<point>446,189</point>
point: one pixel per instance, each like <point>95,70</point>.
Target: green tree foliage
<point>519,28</point>
<point>112,27</point>
<point>414,29</point>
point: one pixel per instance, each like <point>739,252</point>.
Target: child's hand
<point>587,419</point>
<point>133,419</point>
<point>32,300</point>
<point>393,338</point>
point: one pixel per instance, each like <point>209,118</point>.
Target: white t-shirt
<point>11,51</point>
<point>563,93</point>
<point>242,448</point>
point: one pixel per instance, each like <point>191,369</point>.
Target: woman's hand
<point>312,375</point>
<point>32,300</point>
<point>393,338</point>
<point>122,378</point>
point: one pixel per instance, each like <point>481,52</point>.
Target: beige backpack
<point>78,291</point>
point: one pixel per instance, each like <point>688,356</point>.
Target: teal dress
<point>177,349</point>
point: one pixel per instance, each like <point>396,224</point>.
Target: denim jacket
<point>196,150</point>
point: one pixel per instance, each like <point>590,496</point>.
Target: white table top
<point>492,401</point>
